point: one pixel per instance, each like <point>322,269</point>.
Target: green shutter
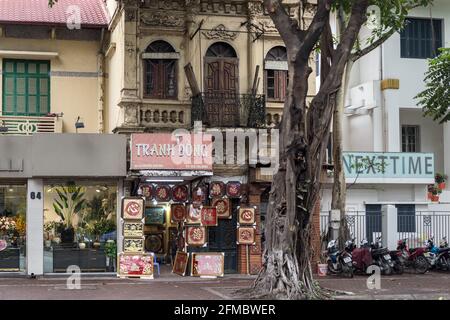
<point>26,87</point>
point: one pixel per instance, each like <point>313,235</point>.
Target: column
<point>389,226</point>
<point>35,227</point>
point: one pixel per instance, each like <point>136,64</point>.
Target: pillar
<point>389,226</point>
<point>35,227</point>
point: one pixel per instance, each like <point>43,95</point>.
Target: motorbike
<point>437,257</point>
<point>381,257</point>
<point>405,258</point>
<point>361,257</point>
<point>339,261</point>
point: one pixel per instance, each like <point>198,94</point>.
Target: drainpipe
<point>101,85</point>
<point>383,105</point>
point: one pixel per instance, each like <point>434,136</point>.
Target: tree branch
<point>360,53</point>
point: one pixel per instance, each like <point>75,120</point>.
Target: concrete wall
<point>73,88</point>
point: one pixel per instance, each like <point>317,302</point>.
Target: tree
<point>435,99</point>
<point>304,131</point>
<point>382,30</point>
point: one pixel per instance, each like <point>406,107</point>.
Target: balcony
<point>25,126</point>
<point>229,110</point>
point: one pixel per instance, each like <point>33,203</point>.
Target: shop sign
<point>246,235</point>
<point>135,265</point>
<point>180,264</point>
<point>207,264</point>
<point>165,151</point>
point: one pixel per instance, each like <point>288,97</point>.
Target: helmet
<point>348,243</point>
<point>364,242</point>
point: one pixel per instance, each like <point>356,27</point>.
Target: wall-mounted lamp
<point>3,127</point>
<point>79,124</point>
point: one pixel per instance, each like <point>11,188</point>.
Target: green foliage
<point>366,164</point>
<point>69,204</point>
<point>110,249</point>
<point>435,99</point>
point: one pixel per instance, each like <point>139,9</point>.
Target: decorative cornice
<point>220,32</point>
<point>161,18</point>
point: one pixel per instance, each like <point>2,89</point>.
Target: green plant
<point>69,204</point>
<point>440,178</point>
<point>111,249</point>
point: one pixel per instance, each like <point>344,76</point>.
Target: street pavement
<point>431,285</point>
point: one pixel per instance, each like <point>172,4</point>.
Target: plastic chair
<point>156,263</point>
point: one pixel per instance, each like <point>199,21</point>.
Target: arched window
<point>221,50</point>
<point>160,71</point>
<point>276,74</point>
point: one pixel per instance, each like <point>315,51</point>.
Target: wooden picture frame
<point>216,189</point>
<point>223,208</point>
<point>135,265</point>
<point>177,212</point>
<point>154,242</point>
<point>180,193</point>
<point>246,235</point>
<point>163,193</point>
<point>246,216</point>
<point>209,216</point>
<point>193,215</point>
<point>147,191</point>
<point>133,245</point>
<point>233,189</point>
<point>196,236</point>
<point>155,215</point>
<point>207,264</point>
<point>180,264</point>
<point>133,208</point>
<point>132,229</point>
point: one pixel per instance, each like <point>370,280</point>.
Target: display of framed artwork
<point>155,215</point>
<point>193,215</point>
<point>216,189</point>
<point>233,189</point>
<point>133,229</point>
<point>162,193</point>
<point>147,191</point>
<point>135,265</point>
<point>209,216</point>
<point>180,193</point>
<point>133,245</point>
<point>180,263</point>
<point>207,264</point>
<point>177,212</point>
<point>199,194</point>
<point>246,216</point>
<point>196,236</point>
<point>155,242</point>
<point>222,207</point>
<point>132,208</point>
<point>246,235</point>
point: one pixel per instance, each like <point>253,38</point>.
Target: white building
<point>382,116</point>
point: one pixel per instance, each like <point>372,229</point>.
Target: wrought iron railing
<point>23,125</point>
<point>229,110</point>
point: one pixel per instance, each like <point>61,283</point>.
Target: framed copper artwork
<point>135,265</point>
<point>132,208</point>
<point>233,189</point>
<point>196,236</point>
<point>180,263</point>
<point>180,193</point>
<point>155,215</point>
<point>162,193</point>
<point>147,191</point>
<point>133,229</point>
<point>246,235</point>
<point>207,264</point>
<point>177,212</point>
<point>133,245</point>
<point>216,189</point>
<point>154,243</point>
<point>222,207</point>
<point>209,216</point>
<point>246,216</point>
<point>193,215</point>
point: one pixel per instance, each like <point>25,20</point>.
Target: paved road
<point>172,287</point>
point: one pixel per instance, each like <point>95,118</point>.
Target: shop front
<point>59,197</point>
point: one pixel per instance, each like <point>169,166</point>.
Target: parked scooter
<point>405,258</point>
<point>361,257</point>
<point>382,257</point>
<point>339,262</point>
<point>437,257</point>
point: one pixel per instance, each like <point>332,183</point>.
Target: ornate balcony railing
<point>229,110</point>
<point>23,125</point>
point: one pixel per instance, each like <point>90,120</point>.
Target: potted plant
<point>433,192</point>
<point>67,207</point>
<point>440,180</point>
<point>48,228</point>
<point>111,254</point>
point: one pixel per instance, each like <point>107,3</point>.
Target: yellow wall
<point>74,95</point>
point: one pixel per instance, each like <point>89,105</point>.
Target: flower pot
<point>322,269</point>
<point>435,198</point>
<point>67,235</point>
<point>82,245</point>
<point>96,245</point>
<point>441,185</point>
<point>430,195</point>
<point>48,243</point>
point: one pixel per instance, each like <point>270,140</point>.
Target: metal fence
<point>416,226</point>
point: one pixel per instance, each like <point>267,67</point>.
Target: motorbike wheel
<point>421,264</point>
<point>330,268</point>
<point>398,267</point>
<point>387,268</point>
<point>347,271</point>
